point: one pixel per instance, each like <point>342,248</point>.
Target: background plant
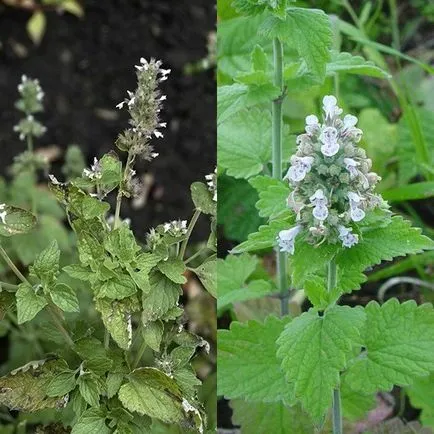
<point>254,73</point>
<point>90,347</point>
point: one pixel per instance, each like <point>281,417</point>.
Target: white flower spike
<point>300,168</point>
<point>286,239</point>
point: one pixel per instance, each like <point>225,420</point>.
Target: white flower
<point>351,166</point>
<point>320,211</point>
<point>350,121</point>
<point>158,134</point>
<point>95,170</point>
<point>312,124</point>
<point>330,145</point>
<point>286,239</point>
<point>300,166</point>
<point>318,198</point>
<point>348,239</point>
<point>330,106</point>
<point>176,227</point>
<point>356,213</point>
<point>3,213</point>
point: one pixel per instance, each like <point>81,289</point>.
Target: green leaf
<point>314,349</point>
<point>36,27</point>
<point>152,333</point>
<point>417,191</point>
<point>117,288</point>
<point>421,395</point>
<point>150,391</point>
<point>254,7</point>
<point>259,59</point>
<point>342,62</point>
<point>240,218</point>
<point>111,171</point>
<point>203,198</point>
<point>7,300</point>
<point>276,418</point>
<point>163,297</point>
<point>16,221</point>
<point>248,366</point>
<point>273,195</point>
<point>207,274</point>
<point>174,269</point>
<point>231,99</point>
<point>25,389</point>
<point>244,143</point>
<point>92,352</point>
<point>29,303</point>
<point>92,207</point>
<point>122,244</point>
<point>46,265</point>
<point>187,381</point>
<point>90,389</point>
<point>61,384</point>
<point>265,238</point>
<point>116,316</point>
<point>399,342</point>
<point>92,421</point>
<point>113,383</point>
<point>79,272</point>
<point>356,405</point>
<point>73,7</point>
<point>65,297</point>
<point>306,30</point>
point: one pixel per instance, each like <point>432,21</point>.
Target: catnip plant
<point>115,353</point>
<point>317,370</point>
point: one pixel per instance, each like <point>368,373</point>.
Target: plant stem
<point>190,228</point>
<point>106,339</point>
<point>12,266</point>
<point>58,323</point>
<point>195,255</point>
<point>337,416</point>
<point>277,163</point>
<point>139,355</point>
<point>8,286</point>
<point>121,192</point>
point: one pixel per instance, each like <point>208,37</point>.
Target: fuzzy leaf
<point>207,274</point>
<point>203,198</point>
<point>121,243</point>
<point>25,389</point>
<point>314,349</point>
<point>254,7</point>
<point>92,352</point>
<point>117,288</point>
<point>347,63</point>
<point>150,391</point>
<point>399,344</point>
<point>29,304</point>
<point>273,194</point>
<point>153,334</point>
<point>276,418</point>
<point>46,265</point>
<point>62,384</point>
<point>92,421</point>
<point>65,297</point>
<point>309,32</point>
<point>248,366</point>
<point>90,389</point>
<point>17,221</point>
<point>163,297</point>
<point>174,269</point>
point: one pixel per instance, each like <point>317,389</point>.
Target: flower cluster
<point>176,227</point>
<point>211,181</point>
<point>144,106</point>
<point>3,213</point>
<point>332,186</point>
<point>30,102</point>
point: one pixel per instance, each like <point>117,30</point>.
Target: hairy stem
<point>12,266</point>
<point>337,415</point>
<point>190,228</point>
<point>277,163</point>
<point>121,191</point>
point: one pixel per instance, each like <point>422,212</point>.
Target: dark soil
<point>85,67</point>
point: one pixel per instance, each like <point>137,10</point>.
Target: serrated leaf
<point>117,288</point>
<point>203,198</point>
<point>116,316</point>
<point>92,352</point>
<point>273,195</point>
<point>152,333</point>
<point>306,30</point>
<point>121,243</point>
<point>259,59</point>
<point>113,383</point>
<point>61,384</point>
<point>29,304</point>
<point>65,297</point>
<point>174,269</point>
<point>207,274</point>
<point>163,297</point>
<point>150,391</point>
<point>399,344</point>
<point>265,238</point>
<point>90,389</point>
<point>231,99</point>
<point>248,366</point>
<point>342,62</point>
<point>276,418</point>
<point>7,300</point>
<point>46,265</point>
<point>244,143</point>
<point>421,395</point>
<point>187,381</point>
<point>254,7</point>
<point>16,221</point>
<point>25,389</point>
<point>79,272</point>
<point>92,421</point>
<point>314,349</point>
<point>36,27</point>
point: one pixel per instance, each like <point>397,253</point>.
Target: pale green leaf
<point>116,288</point>
<point>113,383</point>
<point>203,198</point>
<point>421,395</point>
<point>275,418</point>
<point>36,27</point>
<point>92,421</point>
<point>65,297</point>
<point>62,383</point>
<point>153,334</point>
<point>399,342</point>
<point>29,303</point>
<point>46,265</point>
<point>73,7</point>
<point>248,366</point>
<point>93,353</point>
<point>207,274</point>
<point>314,349</point>
<point>174,269</point>
<point>15,221</point>
<point>90,389</point>
<point>122,244</point>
